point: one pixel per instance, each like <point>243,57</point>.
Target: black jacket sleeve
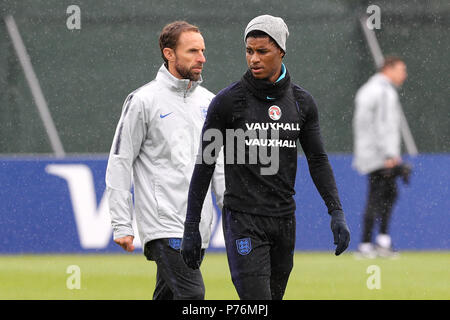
<point>205,164</point>
<point>319,166</point>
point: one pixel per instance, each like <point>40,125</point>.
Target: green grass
<point>415,275</point>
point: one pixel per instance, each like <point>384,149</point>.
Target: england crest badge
<point>175,243</point>
<point>244,246</point>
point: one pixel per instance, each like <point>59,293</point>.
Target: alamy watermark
<point>374,280</point>
<point>374,20</point>
<point>255,144</point>
<point>245,147</point>
<point>74,280</point>
<point>73,21</point>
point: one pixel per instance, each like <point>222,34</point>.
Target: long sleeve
<point>319,166</point>
<point>206,165</point>
<point>363,118</point>
<point>376,124</point>
<point>388,123</point>
<point>129,135</point>
<point>218,180</point>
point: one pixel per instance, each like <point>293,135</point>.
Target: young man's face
<point>186,61</point>
<point>264,58</point>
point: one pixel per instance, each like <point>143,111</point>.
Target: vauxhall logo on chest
<point>254,143</point>
<point>274,112</point>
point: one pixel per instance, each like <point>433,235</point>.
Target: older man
<point>155,145</point>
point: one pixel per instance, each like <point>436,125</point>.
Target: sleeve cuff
<point>120,232</point>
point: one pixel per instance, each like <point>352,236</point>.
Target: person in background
<point>377,152</point>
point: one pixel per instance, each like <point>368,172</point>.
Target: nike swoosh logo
<point>165,115</point>
<point>269,98</point>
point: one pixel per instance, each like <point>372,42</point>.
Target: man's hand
<point>341,233</point>
<point>392,162</point>
<point>126,243</point>
<point>191,246</point>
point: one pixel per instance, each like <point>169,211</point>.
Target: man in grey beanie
<point>259,208</point>
<point>273,26</point>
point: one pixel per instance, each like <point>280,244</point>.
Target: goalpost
<point>33,84</point>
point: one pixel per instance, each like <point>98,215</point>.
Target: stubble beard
<point>186,73</point>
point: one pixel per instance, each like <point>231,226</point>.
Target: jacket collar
<point>382,78</point>
<point>264,89</point>
<point>178,85</point>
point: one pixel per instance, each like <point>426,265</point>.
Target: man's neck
<point>279,75</point>
<point>174,72</point>
<point>388,78</point>
<point>275,77</point>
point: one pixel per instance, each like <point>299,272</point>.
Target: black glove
<point>403,171</point>
<point>341,233</point>
<point>191,245</point>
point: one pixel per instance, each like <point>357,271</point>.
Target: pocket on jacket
<point>165,205</point>
<point>159,201</point>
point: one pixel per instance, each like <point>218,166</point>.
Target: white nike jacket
<point>154,149</point>
<point>376,124</point>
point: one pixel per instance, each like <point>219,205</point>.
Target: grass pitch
<point>414,275</point>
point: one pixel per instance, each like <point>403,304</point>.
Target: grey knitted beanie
<point>273,26</point>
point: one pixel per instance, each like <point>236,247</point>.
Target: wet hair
<point>390,61</point>
<point>170,35</point>
<point>262,34</point>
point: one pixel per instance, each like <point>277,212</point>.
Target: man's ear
<point>169,54</point>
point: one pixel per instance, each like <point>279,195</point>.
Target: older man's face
<point>189,56</point>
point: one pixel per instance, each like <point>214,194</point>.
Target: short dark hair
<point>390,61</point>
<point>171,33</point>
<point>262,34</point>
